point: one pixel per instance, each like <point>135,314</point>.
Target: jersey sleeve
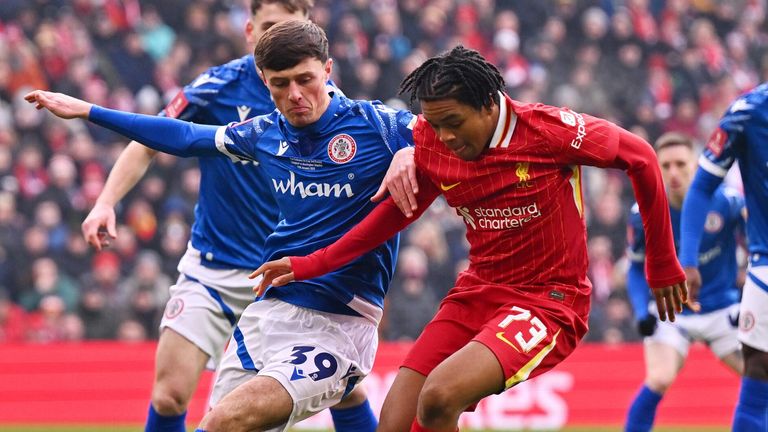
<point>637,287</point>
<point>637,158</point>
<point>395,126</point>
<point>381,224</point>
<point>714,163</point>
<point>720,151</point>
<point>577,139</point>
<point>737,210</point>
<point>195,96</point>
<point>635,236</point>
<point>238,141</point>
<point>179,107</point>
<point>167,135</point>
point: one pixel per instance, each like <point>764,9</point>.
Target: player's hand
<point>400,181</point>
<point>59,104</point>
<point>670,300</point>
<point>693,277</point>
<point>99,226</point>
<point>647,325</point>
<point>276,273</point>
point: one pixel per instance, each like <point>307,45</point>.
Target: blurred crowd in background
<point>649,65</point>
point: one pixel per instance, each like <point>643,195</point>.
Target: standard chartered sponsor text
<point>501,218</point>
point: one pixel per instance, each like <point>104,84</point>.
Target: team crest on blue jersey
<point>342,148</point>
<point>714,222</point>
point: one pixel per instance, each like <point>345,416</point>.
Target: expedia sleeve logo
<point>574,119</point>
<point>568,118</point>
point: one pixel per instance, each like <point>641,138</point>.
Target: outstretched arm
<point>163,134</point>
<point>662,269</point>
<point>381,224</point>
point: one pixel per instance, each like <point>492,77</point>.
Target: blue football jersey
<point>233,215</point>
<point>743,136</point>
<point>717,253</point>
<point>323,176</point>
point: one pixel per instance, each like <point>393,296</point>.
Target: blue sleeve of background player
<point>164,134</point>
<point>637,287</point>
<point>638,290</point>
<point>692,219</point>
<point>738,213</point>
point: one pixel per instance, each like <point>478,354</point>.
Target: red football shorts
<point>529,330</point>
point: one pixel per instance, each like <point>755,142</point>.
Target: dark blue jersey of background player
<point>717,254</point>
<point>233,215</point>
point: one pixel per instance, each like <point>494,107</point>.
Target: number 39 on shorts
<point>531,331</point>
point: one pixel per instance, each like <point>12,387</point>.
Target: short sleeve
<point>722,146</point>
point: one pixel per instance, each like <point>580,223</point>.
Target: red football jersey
<point>522,199</point>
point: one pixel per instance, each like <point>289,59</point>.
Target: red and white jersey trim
<point>502,136</point>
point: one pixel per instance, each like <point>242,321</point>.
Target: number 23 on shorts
<point>530,330</point>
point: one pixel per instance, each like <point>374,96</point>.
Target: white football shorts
<point>318,357</point>
<point>206,303</point>
<point>718,329</point>
<point>753,319</point>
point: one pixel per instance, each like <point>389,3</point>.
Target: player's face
<point>268,15</point>
<point>299,92</point>
<point>677,169</point>
<point>464,130</point>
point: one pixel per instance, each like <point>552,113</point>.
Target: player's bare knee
<point>354,399</point>
<point>168,402</point>
<point>660,383</point>
<point>436,403</point>
<point>221,420</point>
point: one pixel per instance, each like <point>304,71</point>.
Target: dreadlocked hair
<point>462,74</point>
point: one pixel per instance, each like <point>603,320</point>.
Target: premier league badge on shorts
<point>342,148</point>
<point>174,308</point>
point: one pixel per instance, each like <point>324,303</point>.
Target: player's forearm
<point>380,225</point>
<point>164,134</point>
<point>692,219</point>
<point>129,168</point>
<point>639,160</point>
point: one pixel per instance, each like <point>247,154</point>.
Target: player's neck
<point>494,121</point>
<point>675,202</point>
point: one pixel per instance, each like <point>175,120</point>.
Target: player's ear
<point>261,75</point>
<point>329,67</point>
<point>249,28</point>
